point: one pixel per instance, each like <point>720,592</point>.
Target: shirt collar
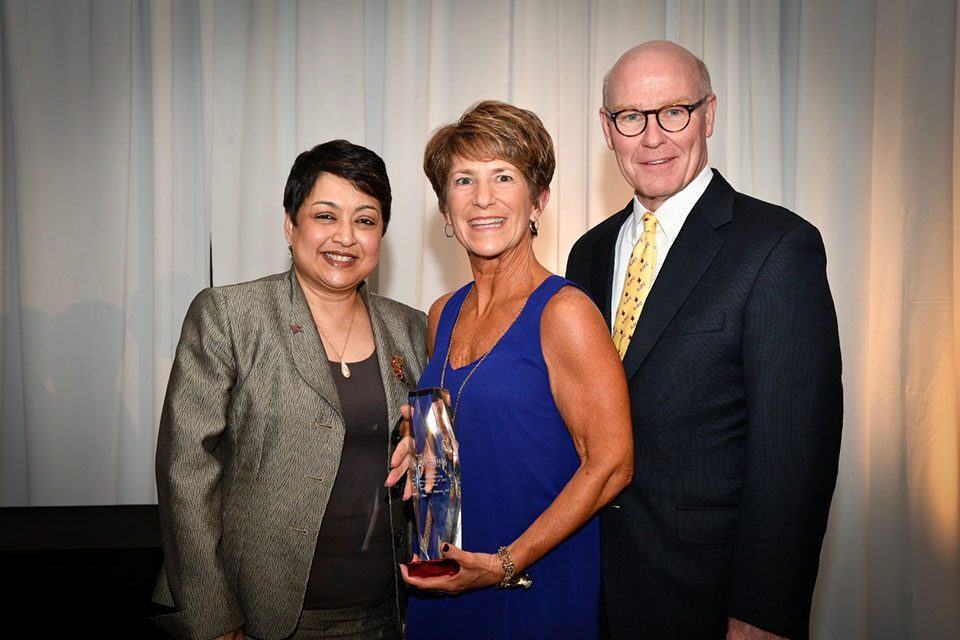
<point>673,212</point>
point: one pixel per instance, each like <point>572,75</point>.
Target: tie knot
<point>649,222</point>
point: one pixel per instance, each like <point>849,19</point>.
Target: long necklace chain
<point>446,359</point>
<point>344,369</point>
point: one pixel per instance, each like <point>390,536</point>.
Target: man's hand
<point>236,634</point>
<point>740,630</point>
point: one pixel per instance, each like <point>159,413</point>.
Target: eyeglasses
<point>672,118</point>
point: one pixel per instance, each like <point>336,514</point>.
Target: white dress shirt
<point>670,218</point>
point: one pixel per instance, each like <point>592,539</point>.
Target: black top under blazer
<point>734,380</point>
<point>249,445</point>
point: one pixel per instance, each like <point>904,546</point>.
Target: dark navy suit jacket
<point>734,379</point>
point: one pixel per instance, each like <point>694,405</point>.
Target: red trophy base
<point>433,568</point>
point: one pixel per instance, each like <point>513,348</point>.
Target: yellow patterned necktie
<point>636,286</point>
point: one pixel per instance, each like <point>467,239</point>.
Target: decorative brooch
<point>397,363</point>
<point>296,328</point>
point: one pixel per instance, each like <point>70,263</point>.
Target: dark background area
<point>81,569</point>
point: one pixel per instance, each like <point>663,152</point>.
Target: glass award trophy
<point>435,478</point>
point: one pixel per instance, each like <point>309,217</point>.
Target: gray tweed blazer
<point>249,445</point>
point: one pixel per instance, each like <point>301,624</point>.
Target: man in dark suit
<point>729,342</point>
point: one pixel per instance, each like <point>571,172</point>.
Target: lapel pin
<point>297,328</point>
<point>397,363</point>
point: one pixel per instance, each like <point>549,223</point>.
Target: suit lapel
<point>695,248</point>
<point>601,281</point>
<point>389,355</point>
<point>306,348</point>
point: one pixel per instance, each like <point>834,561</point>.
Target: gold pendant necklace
<point>446,359</point>
<point>344,369</point>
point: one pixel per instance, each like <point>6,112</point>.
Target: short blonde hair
<point>492,130</point>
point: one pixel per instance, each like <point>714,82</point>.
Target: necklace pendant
<point>344,369</point>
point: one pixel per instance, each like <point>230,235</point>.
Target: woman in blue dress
<point>538,397</point>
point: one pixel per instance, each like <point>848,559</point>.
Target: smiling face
<point>489,205</point>
<point>336,241</point>
<point>658,164</point>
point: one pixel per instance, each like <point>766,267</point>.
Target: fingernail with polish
<point>446,547</point>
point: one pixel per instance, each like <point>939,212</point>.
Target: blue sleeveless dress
<point>515,457</point>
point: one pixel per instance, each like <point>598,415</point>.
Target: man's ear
<point>710,112</point>
<point>605,124</point>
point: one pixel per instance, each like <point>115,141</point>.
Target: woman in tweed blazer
<point>277,425</point>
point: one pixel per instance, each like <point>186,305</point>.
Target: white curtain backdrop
<point>145,146</point>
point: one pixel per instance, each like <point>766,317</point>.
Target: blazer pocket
<point>706,323</point>
<point>707,525</point>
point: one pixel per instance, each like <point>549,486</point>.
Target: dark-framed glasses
<point>672,118</point>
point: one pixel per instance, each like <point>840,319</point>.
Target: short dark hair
<point>363,168</point>
<point>487,130</point>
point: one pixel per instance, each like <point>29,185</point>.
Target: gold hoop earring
<point>290,251</point>
<point>534,229</point>
<point>451,234</point>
